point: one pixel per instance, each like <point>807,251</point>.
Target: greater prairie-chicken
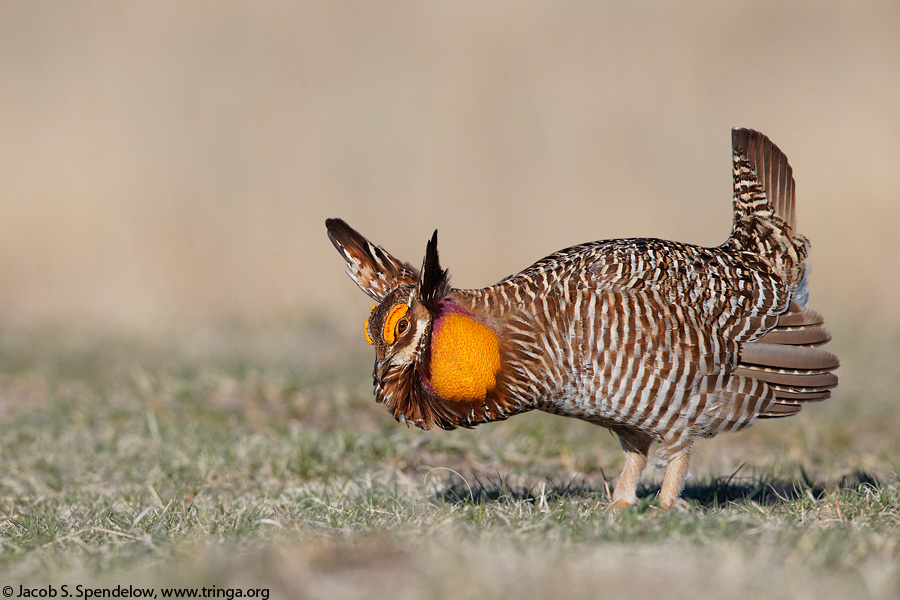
<point>655,340</point>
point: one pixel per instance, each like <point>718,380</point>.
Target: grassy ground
<point>252,456</point>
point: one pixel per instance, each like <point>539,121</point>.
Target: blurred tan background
<point>175,158</point>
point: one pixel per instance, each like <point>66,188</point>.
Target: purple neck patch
<point>446,308</point>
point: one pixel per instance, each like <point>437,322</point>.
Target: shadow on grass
<point>716,493</point>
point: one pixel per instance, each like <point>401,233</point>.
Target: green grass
<point>249,456</point>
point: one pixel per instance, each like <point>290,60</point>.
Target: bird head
<point>400,323</point>
<point>435,363</point>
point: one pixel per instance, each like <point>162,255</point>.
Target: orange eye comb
<point>366,326</point>
<point>397,313</point>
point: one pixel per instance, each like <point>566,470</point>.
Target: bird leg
<point>673,482</point>
<point>636,446</point>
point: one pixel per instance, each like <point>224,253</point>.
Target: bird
<point>657,341</point>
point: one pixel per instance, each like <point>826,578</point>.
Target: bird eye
<point>402,325</point>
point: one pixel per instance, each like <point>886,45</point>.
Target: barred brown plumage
<point>655,340</point>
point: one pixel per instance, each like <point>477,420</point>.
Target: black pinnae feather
<point>372,267</point>
<point>337,228</point>
<point>433,280</point>
<point>348,241</point>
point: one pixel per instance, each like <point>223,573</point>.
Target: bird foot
<point>677,503</point>
<point>620,505</point>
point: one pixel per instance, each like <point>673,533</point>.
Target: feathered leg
<point>673,482</point>
<point>636,446</point>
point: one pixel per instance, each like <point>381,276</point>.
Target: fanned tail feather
<point>760,163</point>
<point>790,361</point>
<point>778,373</point>
<point>765,220</point>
